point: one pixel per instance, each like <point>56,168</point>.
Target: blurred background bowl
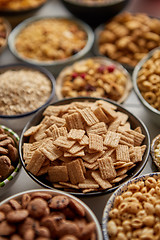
<point>7,183</point>
<point>95,12</point>
<point>155,150</point>
<point>89,216</point>
<point>5,29</point>
<point>53,65</point>
<point>17,122</point>
<point>153,113</point>
<point>122,79</point>
<point>134,121</point>
<point>110,203</point>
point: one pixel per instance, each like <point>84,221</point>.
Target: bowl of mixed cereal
<point>47,214</point>
<point>24,89</point>
<point>5,29</point>
<point>85,146</point>
<point>52,42</point>
<point>94,77</point>
<point>133,211</point>
<point>9,158</point>
<point>146,82</point>
<point>127,38</point>
<point>95,11</point>
<point>155,150</point>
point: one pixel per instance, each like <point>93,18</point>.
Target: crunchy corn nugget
<point>114,125</point>
<point>122,117</point>
<point>36,162</point>
<point>135,154</point>
<point>75,172</point>
<point>88,116</point>
<point>98,128</point>
<point>101,115</point>
<point>64,142</point>
<point>74,121</point>
<point>91,158</point>
<point>112,139</point>
<point>67,184</point>
<point>51,151</point>
<point>122,153</point>
<point>106,168</point>
<point>95,142</point>
<point>32,130</point>
<point>52,111</point>
<point>58,174</point>
<point>119,178</point>
<point>75,148</point>
<point>138,137</point>
<point>81,153</point>
<point>84,141</point>
<point>103,183</point>
<point>76,134</point>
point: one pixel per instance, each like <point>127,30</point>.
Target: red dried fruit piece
<point>83,75</point>
<point>111,68</point>
<point>101,69</point>
<point>74,74</point>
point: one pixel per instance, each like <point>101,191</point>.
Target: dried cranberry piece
<point>111,68</point>
<point>89,87</point>
<point>83,75</point>
<point>101,69</point>
<point>74,74</point>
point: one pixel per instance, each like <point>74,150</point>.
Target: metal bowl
<point>134,121</point>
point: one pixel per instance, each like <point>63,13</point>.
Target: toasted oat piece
<point>106,168</point>
<point>64,142</point>
<point>75,172</point>
<point>89,116</point>
<point>74,121</point>
<point>122,153</point>
<point>103,183</point>
<point>84,141</point>
<point>101,115</point>
<point>95,142</point>
<point>32,130</point>
<point>135,154</point>
<point>112,139</point>
<point>98,128</point>
<point>51,151</point>
<point>58,174</point>
<point>36,162</point>
<point>76,134</point>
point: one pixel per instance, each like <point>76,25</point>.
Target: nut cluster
<point>128,37</point>
<point>40,215</point>
<point>8,155</point>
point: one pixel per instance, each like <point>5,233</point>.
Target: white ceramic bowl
<point>17,122</point>
<point>153,113</point>
<point>6,184</point>
<point>118,192</point>
<point>89,215</point>
<point>57,65</point>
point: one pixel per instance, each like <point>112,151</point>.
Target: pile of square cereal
<point>83,146</point>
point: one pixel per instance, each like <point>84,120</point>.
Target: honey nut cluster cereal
<point>23,91</point>
<point>136,212</point>
<point>95,78</point>
<point>18,5</point>
<point>128,37</point>
<point>50,39</point>
<point>8,155</point>
<point>45,216</point>
<point>82,146</point>
<point>3,33</point>
<point>148,80</point>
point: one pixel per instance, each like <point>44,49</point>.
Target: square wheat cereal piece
<point>88,116</point>
<point>75,172</point>
<point>52,110</point>
<point>52,131</point>
<point>113,126</point>
<point>91,158</point>
<point>126,139</point>
<point>67,184</point>
<point>84,141</point>
<point>119,178</point>
<point>51,151</point>
<point>32,130</point>
<point>27,153</point>
<point>138,137</point>
<point>122,117</point>
<point>76,134</point>
<point>111,114</point>
<point>43,170</point>
<point>125,127</point>
<point>143,148</point>
<point>98,128</point>
<point>122,153</point>
<point>75,148</point>
<point>40,134</point>
<point>106,168</point>
<point>122,171</point>
<point>36,162</point>
<point>74,121</point>
<point>105,184</point>
<point>112,139</point>
<point>95,142</point>
<point>88,183</point>
<point>135,154</point>
<point>81,153</point>
<point>58,174</point>
<point>88,190</point>
<point>108,152</point>
<point>118,165</point>
<point>138,129</point>
<point>101,115</point>
<point>64,142</point>
<point>57,185</point>
<point>60,122</point>
<point>106,104</point>
<point>92,166</point>
<point>82,165</point>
